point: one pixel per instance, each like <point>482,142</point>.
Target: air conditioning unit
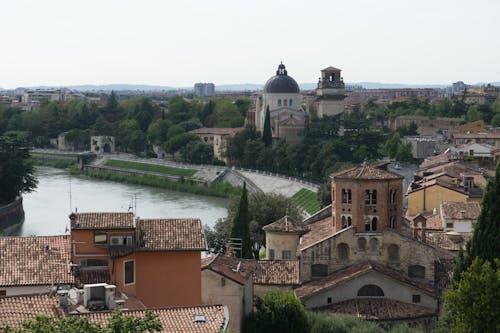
<point>94,296</point>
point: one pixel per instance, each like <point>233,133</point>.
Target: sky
<point>178,43</point>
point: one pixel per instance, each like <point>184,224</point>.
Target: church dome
<point>281,83</point>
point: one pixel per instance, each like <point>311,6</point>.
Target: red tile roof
<point>378,309</point>
<point>460,210</point>
<point>170,235</point>
<point>17,309</point>
<point>318,231</point>
<point>178,319</point>
<point>40,260</point>
<point>365,171</point>
<point>103,221</point>
<point>345,274</point>
<point>286,224</point>
<point>450,241</point>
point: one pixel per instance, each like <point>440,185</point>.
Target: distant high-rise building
<point>204,89</point>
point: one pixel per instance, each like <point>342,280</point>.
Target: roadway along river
<point>47,209</point>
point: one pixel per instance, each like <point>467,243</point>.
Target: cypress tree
<point>241,226</point>
<point>267,135</point>
<point>485,242</point>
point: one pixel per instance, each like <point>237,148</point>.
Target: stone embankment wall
<point>11,213</point>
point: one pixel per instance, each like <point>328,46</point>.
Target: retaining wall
<point>11,213</point>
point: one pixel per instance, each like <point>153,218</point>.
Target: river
<point>47,209</point>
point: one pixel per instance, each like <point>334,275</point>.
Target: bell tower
<point>330,92</point>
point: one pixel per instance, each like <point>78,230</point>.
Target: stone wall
<point>11,213</point>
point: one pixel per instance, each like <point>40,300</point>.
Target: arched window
<point>343,251</point>
<point>393,251</point>
<point>367,197</point>
<point>285,102</point>
<point>416,271</point>
<point>319,270</point>
<point>392,222</point>
<point>279,102</point>
<point>393,196</point>
<point>344,222</point>
<point>371,225</point>
<point>374,224</point>
<point>374,245</point>
<point>370,290</point>
<point>349,196</point>
<point>349,221</point>
<point>374,197</point>
<point>290,102</point>
<point>362,244</point>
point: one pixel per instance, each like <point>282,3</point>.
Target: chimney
<point>63,296</point>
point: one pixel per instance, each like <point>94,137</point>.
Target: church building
<point>283,98</point>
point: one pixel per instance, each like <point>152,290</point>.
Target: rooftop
<point>318,231</point>
<point>103,221</point>
<point>286,224</point>
<point>460,210</point>
<point>378,309</point>
<point>15,310</point>
<point>365,172</point>
<point>345,274</point>
<point>170,235</point>
<point>39,260</point>
<point>218,130</point>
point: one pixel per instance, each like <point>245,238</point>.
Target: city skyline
<point>177,44</point>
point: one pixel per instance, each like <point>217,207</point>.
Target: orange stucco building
<point>155,260</point>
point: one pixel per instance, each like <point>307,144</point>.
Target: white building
<point>204,89</point>
<point>283,98</point>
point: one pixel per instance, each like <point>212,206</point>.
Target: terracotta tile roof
<point>176,320</point>
<point>432,221</point>
<point>40,260</point>
<point>218,130</point>
<point>286,224</point>
<point>316,286</point>
<point>460,210</point>
<point>437,160</point>
<point>263,272</point>
<point>170,235</point>
<point>317,232</point>
<point>17,309</point>
<point>378,309</point>
<point>107,221</point>
<point>451,241</point>
<point>366,171</point>
<point>277,272</point>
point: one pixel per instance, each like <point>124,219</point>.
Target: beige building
<point>282,238</point>
<point>218,139</point>
<point>330,93</point>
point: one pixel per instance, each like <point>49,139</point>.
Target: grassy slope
<point>151,167</point>
<point>307,200</point>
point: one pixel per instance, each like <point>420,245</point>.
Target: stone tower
<point>330,93</point>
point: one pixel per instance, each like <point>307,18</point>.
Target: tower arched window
<point>374,197</point>
<point>374,245</point>
<point>285,102</point>
<point>392,222</point>
<point>344,222</point>
<point>349,196</point>
<point>371,224</point>
<point>393,196</point>
<point>370,290</point>
<point>349,221</point>
<point>279,102</point>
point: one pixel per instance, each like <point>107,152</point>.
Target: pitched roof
<point>286,224</point>
<point>218,130</point>
<point>40,260</point>
<point>263,272</point>
<point>345,274</point>
<point>170,235</point>
<point>330,68</point>
<point>18,309</point>
<point>176,319</point>
<point>317,231</point>
<point>103,221</point>
<point>378,309</point>
<point>460,210</point>
<point>14,310</point>
<point>366,171</point>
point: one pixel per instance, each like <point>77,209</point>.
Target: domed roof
<point>281,83</point>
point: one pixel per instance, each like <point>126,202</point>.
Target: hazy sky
<point>177,43</point>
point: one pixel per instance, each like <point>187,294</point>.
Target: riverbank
<point>221,190</point>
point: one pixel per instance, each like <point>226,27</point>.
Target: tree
<point>174,144</point>
<point>277,312</point>
<point>241,226</point>
<point>16,169</point>
<point>267,135</point>
<point>198,152</point>
<point>118,323</point>
<point>472,305</point>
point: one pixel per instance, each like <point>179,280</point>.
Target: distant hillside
<point>239,87</point>
<point>109,87</point>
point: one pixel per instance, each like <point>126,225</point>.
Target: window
<point>393,196</point>
<point>343,251</point>
<point>415,298</point>
<point>121,240</point>
<point>286,254</point>
<point>374,245</point>
<point>370,290</point>
<point>319,270</point>
<point>290,102</point>
<point>367,197</point>
<point>279,102</point>
<point>374,197</point>
<point>349,197</point>
<point>392,222</point>
<point>393,251</point>
<point>271,254</point>
<point>344,222</point>
<point>449,224</point>
<point>371,225</point>
<point>285,102</point>
<point>344,196</point>
<point>222,282</point>
<point>370,198</point>
<point>329,300</point>
<point>416,271</point>
<point>129,272</point>
<point>85,263</point>
<point>3,292</point>
<point>100,238</point>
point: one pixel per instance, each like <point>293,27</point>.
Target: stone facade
<point>102,144</point>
